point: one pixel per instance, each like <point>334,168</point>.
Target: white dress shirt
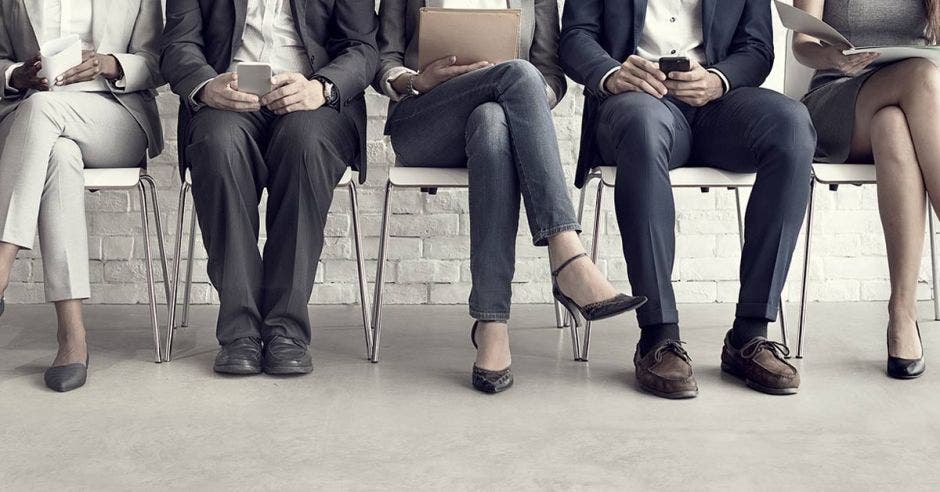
<point>672,28</point>
<point>271,37</point>
<point>60,18</point>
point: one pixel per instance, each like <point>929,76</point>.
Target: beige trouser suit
<point>48,138</point>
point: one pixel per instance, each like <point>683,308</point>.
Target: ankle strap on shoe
<point>570,260</point>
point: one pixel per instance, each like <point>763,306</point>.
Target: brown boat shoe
<point>666,371</point>
<point>762,365</point>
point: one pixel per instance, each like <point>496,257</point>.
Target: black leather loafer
<point>66,378</point>
<point>242,357</point>
<point>899,368</point>
<point>283,355</point>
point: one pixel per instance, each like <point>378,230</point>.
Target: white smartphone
<point>254,78</point>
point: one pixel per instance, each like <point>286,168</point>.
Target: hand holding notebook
<point>57,56</point>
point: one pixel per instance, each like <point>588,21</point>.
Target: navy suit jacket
<point>598,35</point>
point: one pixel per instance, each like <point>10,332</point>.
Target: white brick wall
<point>429,255</point>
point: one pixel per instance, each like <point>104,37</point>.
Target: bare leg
<point>901,202</point>
<point>7,258</point>
<point>581,280</point>
<point>72,347</point>
<point>493,340</point>
<point>896,124</point>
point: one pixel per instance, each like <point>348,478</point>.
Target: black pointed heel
<point>608,308</point>
<point>899,368</point>
<point>68,377</point>
<point>487,381</point>
<point>3,305</point>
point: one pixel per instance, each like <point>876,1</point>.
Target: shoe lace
<point>755,346</point>
<point>674,346</point>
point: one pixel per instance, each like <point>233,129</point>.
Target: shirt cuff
<point>8,76</point>
<point>391,75</point>
<point>195,105</point>
<point>603,83</point>
<point>724,80</point>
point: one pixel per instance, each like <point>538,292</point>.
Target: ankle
<point>902,311</point>
<point>653,335</point>
<point>562,247</point>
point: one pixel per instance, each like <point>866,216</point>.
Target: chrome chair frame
<point>96,180</point>
<point>348,181</point>
<point>705,188</point>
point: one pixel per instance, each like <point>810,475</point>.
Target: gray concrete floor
<point>413,422</point>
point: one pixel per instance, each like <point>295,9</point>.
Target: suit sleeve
<point>351,46</point>
<point>544,51</point>
<point>182,59</point>
<point>8,61</point>
<point>391,43</point>
<point>141,63</point>
<point>581,53</point>
<point>752,49</point>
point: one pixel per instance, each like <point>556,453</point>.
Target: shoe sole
<point>238,370</point>
<point>905,378</point>
<point>757,386</point>
<point>679,395</point>
<point>285,371</point>
<point>495,390</point>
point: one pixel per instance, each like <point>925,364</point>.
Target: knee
<point>523,76</point>
<point>786,127</point>
<point>922,78</point>
<point>65,153</point>
<point>487,127</point>
<point>636,123</point>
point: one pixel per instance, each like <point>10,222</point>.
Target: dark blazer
<point>598,35</point>
<point>202,36</point>
<point>538,42</point>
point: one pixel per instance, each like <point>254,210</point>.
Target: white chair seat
<point>344,181</point>
<point>119,178</point>
<point>429,177</point>
<point>693,177</point>
<point>844,173</point>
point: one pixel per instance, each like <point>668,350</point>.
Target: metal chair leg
<point>151,288</point>
<point>806,252</point>
<point>380,275</point>
<point>188,286</point>
<point>935,278</point>
<point>361,268</point>
<point>595,247</point>
<point>177,262</point>
<point>158,223</point>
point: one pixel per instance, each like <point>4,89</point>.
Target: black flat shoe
<point>66,378</point>
<point>284,355</point>
<point>619,304</point>
<point>899,368</point>
<point>487,381</point>
<point>241,357</point>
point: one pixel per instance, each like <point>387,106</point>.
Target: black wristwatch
<point>330,94</point>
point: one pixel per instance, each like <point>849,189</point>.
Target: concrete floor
<point>412,421</point>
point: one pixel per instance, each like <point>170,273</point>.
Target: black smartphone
<point>669,64</point>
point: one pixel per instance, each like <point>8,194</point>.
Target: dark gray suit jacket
<point>398,39</point>
<point>202,36</point>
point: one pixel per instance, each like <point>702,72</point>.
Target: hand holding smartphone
<point>669,64</point>
<point>254,78</point>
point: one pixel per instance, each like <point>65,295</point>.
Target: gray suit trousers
<point>44,146</point>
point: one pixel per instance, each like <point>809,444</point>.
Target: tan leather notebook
<point>470,35</point>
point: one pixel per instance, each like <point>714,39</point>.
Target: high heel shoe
<point>3,306</point>
<point>899,368</point>
<point>68,377</point>
<point>607,308</point>
<point>489,381</point>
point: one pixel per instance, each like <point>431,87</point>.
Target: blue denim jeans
<point>497,123</point>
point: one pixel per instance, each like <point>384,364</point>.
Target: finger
<point>285,90</point>
<point>241,97</point>
<point>688,93</point>
<point>689,76</point>
<point>648,78</point>
<point>644,86</point>
<point>82,76</point>
<point>647,66</point>
<point>286,101</point>
<point>451,72</point>
<point>81,67</point>
<point>294,108</point>
<point>240,105</point>
<point>284,79</point>
<point>443,62</point>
